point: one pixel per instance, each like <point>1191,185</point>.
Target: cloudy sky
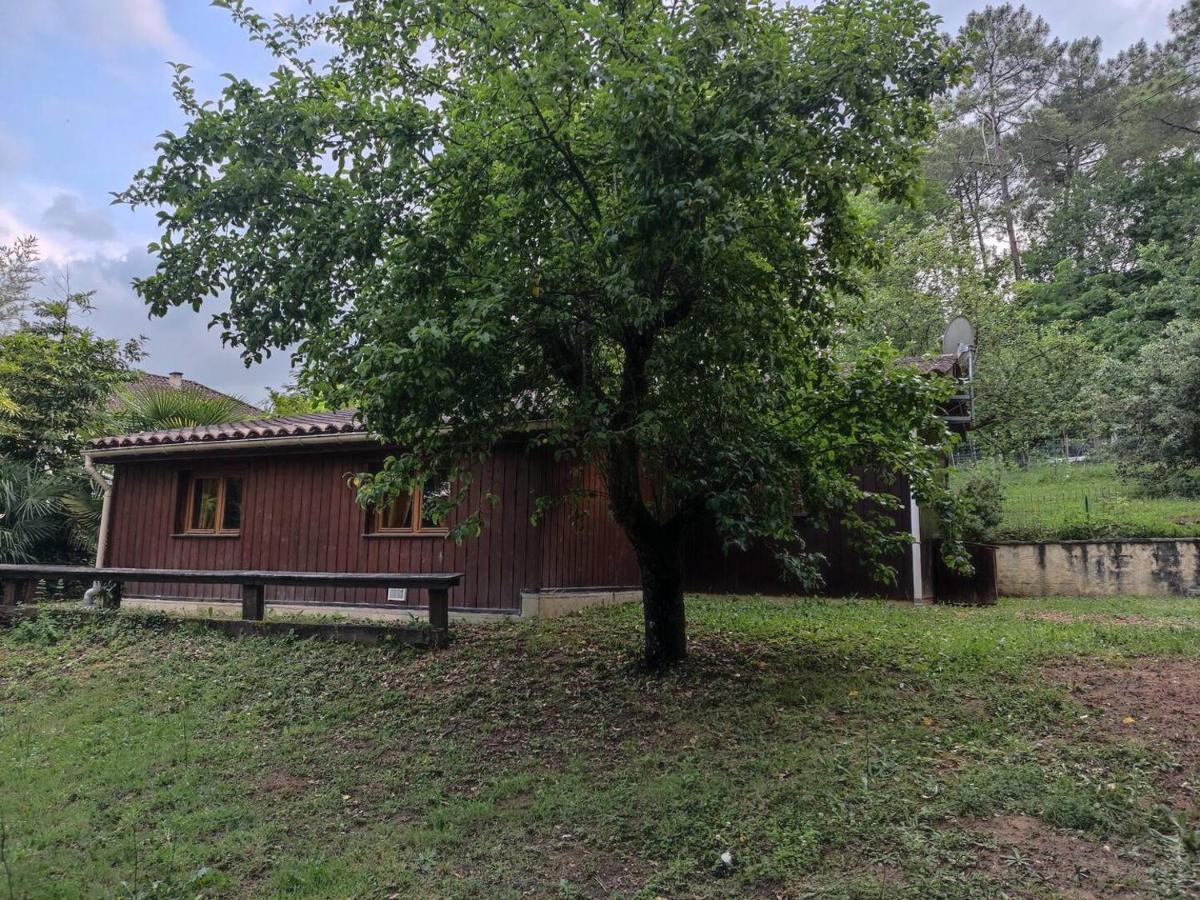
<point>85,89</point>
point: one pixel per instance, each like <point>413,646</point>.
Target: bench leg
<point>13,593</point>
<point>253,602</point>
<point>113,600</point>
<point>439,615</point>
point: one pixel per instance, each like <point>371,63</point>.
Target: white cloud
<point>67,213</point>
<point>13,226</point>
<point>110,26</point>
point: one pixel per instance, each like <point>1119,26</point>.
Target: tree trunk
<point>661,565</point>
<point>1010,224</point>
<point>658,544</point>
<point>659,549</point>
<point>1014,248</point>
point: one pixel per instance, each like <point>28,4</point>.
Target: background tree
<point>1030,376</point>
<point>625,219</point>
<point>293,400</point>
<point>1012,61</point>
<point>56,379</point>
<point>61,374</point>
<point>18,275</point>
<point>1160,413</point>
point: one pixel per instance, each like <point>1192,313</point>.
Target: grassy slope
<point>1045,501</point>
<point>841,749</point>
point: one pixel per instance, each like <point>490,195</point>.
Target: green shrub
<point>982,498</point>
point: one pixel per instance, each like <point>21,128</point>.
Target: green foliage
<point>140,755</point>
<point>55,379</point>
<point>1160,444</point>
<point>1030,378</point>
<point>46,516</point>
<point>149,408</point>
<point>30,511</point>
<point>293,400</point>
<point>59,377</point>
<point>18,275</point>
<point>624,220</point>
<point>983,497</point>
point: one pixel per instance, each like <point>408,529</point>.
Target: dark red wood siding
<point>299,514</point>
<point>582,547</point>
<point>707,567</point>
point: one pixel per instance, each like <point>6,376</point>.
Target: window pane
<point>204,504</point>
<point>433,494</point>
<point>398,516</point>
<point>231,520</point>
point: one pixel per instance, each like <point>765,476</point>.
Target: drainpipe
<point>914,526</point>
<point>102,538</point>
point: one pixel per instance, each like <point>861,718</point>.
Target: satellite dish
<point>959,336</point>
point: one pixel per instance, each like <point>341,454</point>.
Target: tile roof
<point>308,425</point>
<point>942,364</point>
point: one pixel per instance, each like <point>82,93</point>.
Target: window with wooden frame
<point>412,513</point>
<point>211,504</point>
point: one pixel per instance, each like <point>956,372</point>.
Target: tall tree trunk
<point>661,563</point>
<point>1014,248</point>
<point>973,206</point>
<point>659,549</point>
<point>1010,224</point>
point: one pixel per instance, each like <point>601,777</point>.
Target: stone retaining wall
<point>1159,567</point>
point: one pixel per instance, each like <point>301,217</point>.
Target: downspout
<point>105,485</point>
<point>914,527</point>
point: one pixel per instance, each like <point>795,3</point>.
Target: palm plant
<point>147,408</point>
<point>82,505</point>
<point>8,406</point>
<point>31,510</point>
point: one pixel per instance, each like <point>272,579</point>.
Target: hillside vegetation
<point>852,749</point>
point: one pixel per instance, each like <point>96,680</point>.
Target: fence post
<point>253,602</point>
<point>439,615</point>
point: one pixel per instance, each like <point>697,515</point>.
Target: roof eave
<point>104,454</point>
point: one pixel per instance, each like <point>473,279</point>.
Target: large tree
<point>1012,61</point>
<point>622,219</point>
<point>57,377</point>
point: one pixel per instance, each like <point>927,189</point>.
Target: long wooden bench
<point>17,584</point>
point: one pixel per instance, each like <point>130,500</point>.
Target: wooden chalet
<point>274,494</point>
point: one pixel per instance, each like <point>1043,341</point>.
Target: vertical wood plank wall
<point>757,571</point>
<point>582,546</point>
<point>299,514</point>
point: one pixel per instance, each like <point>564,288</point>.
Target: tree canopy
<point>625,220</point>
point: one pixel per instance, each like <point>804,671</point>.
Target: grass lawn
<point>1047,502</point>
<point>851,749</point>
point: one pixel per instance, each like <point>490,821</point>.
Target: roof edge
<point>101,454</point>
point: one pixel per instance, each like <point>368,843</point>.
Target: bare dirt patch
<point>1020,849</point>
<point>1153,701</point>
<point>283,784</point>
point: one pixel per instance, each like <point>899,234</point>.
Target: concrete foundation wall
<point>551,604</point>
<point>1162,567</point>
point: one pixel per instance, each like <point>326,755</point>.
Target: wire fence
<point>1050,506</point>
<point>1066,450</point>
